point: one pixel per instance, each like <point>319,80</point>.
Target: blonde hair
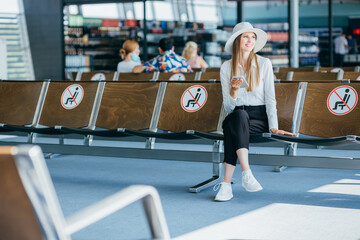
<point>235,63</point>
<point>128,47</point>
<point>190,50</point>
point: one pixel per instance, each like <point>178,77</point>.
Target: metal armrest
<point>97,211</point>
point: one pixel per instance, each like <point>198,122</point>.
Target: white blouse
<point>264,94</point>
<point>126,67</point>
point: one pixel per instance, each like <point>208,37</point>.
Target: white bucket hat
<point>261,36</point>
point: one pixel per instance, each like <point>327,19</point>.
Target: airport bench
<point>30,208</point>
<point>167,110</point>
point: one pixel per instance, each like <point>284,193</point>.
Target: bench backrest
<point>352,75</point>
<point>299,69</point>
<point>68,104</point>
<point>145,76</point>
<point>17,218</point>
<point>308,76</point>
<point>210,75</point>
<point>198,69</point>
<point>18,101</point>
<point>212,69</point>
<point>96,76</point>
<point>286,94</point>
<point>127,105</point>
<point>324,113</point>
<point>280,75</point>
<point>336,69</point>
<point>165,76</point>
<point>191,106</point>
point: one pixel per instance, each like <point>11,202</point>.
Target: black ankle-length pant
<point>239,125</point>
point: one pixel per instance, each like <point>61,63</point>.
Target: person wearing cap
<point>251,110</point>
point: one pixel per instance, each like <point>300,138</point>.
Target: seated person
<point>190,54</point>
<point>167,61</point>
<point>130,55</point>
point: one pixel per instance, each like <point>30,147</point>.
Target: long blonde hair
<point>235,63</point>
<point>190,50</point>
<point>128,47</point>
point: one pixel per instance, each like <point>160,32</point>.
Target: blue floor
<point>82,180</point>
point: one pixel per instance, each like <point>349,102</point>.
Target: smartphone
<point>244,83</point>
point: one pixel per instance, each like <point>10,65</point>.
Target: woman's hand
<point>282,132</point>
<point>235,86</point>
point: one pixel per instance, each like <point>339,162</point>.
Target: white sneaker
<point>249,182</point>
<point>225,192</point>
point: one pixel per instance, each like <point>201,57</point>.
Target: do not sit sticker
<point>342,100</point>
<point>194,98</point>
<point>72,96</point>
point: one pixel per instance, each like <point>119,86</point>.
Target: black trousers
<point>239,125</point>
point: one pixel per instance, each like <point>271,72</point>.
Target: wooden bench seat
<point>18,101</point>
<point>64,104</point>
<point>327,116</point>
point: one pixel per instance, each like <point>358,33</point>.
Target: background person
<point>341,46</point>
<point>167,61</point>
<point>250,110</point>
<point>130,54</point>
<point>352,44</point>
<point>191,55</point>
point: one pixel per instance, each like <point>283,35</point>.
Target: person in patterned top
<point>167,61</point>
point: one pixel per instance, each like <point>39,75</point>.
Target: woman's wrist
<point>233,93</point>
<point>273,130</point>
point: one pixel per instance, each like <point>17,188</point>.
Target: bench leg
<point>51,155</point>
<point>88,140</point>
<point>218,172</point>
<point>150,143</point>
<point>31,138</point>
<point>289,150</point>
<point>280,168</point>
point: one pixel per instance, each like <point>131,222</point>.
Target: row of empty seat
<point>211,76</point>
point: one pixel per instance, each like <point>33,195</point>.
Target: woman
<point>251,110</point>
<point>190,54</point>
<point>130,55</point>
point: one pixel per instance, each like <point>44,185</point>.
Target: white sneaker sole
<point>223,200</point>
<point>256,190</point>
